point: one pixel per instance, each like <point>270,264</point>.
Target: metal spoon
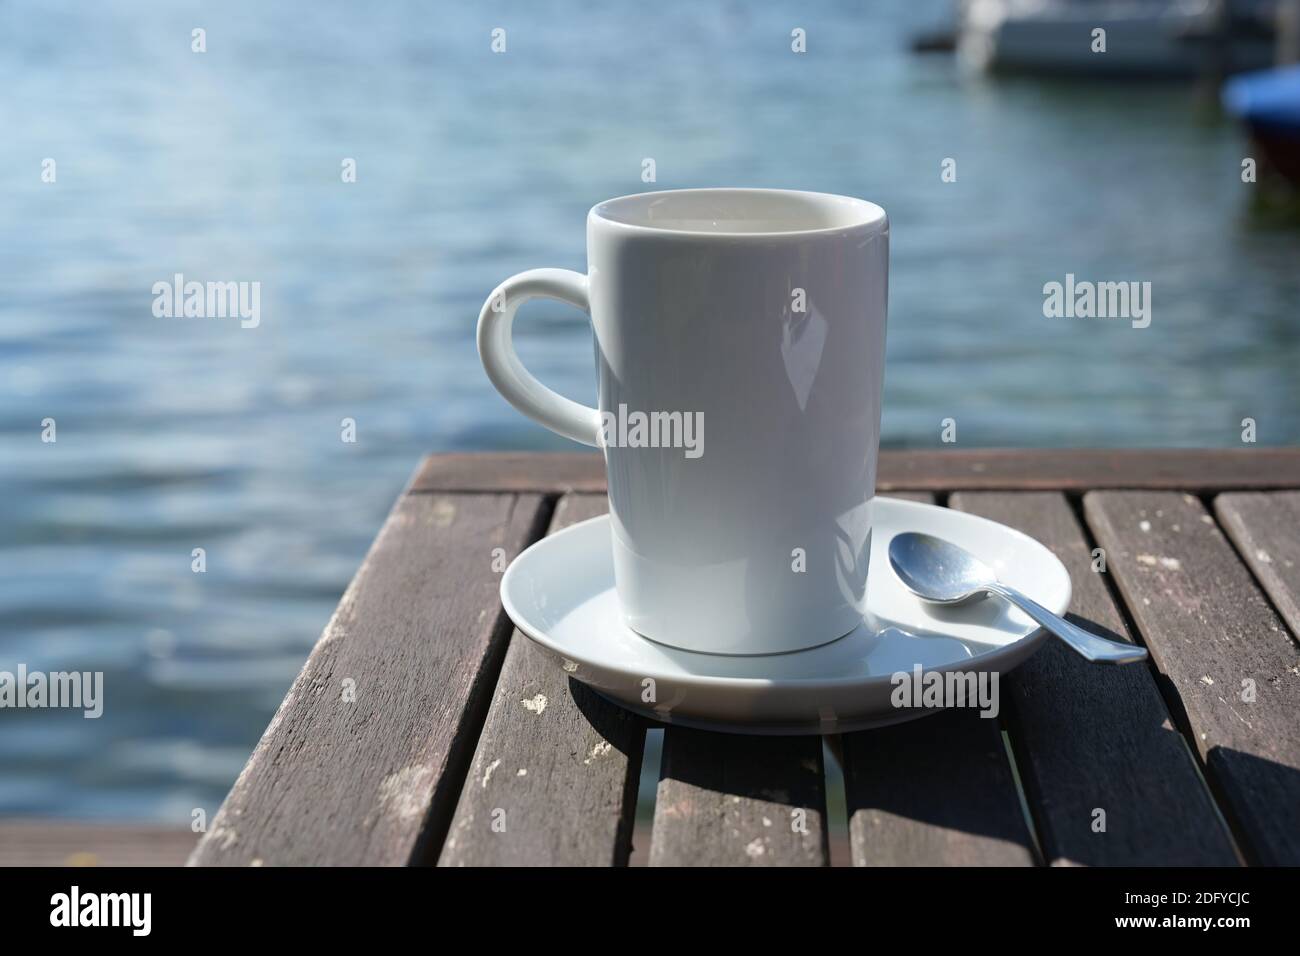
<point>939,571</point>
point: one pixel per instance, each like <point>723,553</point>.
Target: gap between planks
<point>1109,779</point>
<point>903,809</point>
<point>554,776</point>
<point>362,763</point>
<point>742,800</point>
<point>1225,657</point>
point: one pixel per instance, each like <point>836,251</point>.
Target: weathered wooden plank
<point>892,823</point>
<point>555,775</point>
<point>1090,738</point>
<point>365,758</point>
<point>923,470</point>
<point>1266,530</point>
<point>924,497</point>
<point>1087,469</point>
<point>69,843</point>
<point>1234,666</point>
<point>937,791</point>
<point>550,472</point>
<point>732,800</point>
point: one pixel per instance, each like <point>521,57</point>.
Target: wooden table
<point>424,729</point>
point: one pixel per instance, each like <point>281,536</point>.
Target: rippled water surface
<point>175,434</point>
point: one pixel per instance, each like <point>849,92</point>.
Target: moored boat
<point>1268,103</point>
<point>1156,38</point>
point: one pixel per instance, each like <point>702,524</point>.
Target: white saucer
<point>560,593</point>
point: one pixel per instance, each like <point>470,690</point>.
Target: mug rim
<point>867,217</point>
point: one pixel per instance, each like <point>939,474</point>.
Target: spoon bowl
<point>939,570</point>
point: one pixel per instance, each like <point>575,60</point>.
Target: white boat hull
<point>1054,37</point>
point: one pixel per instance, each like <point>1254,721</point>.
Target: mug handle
<point>517,385</point>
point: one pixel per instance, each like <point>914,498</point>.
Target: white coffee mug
<point>740,342</point>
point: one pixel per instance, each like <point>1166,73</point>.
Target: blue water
<point>179,434</point>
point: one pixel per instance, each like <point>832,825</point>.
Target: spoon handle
<point>1099,650</point>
